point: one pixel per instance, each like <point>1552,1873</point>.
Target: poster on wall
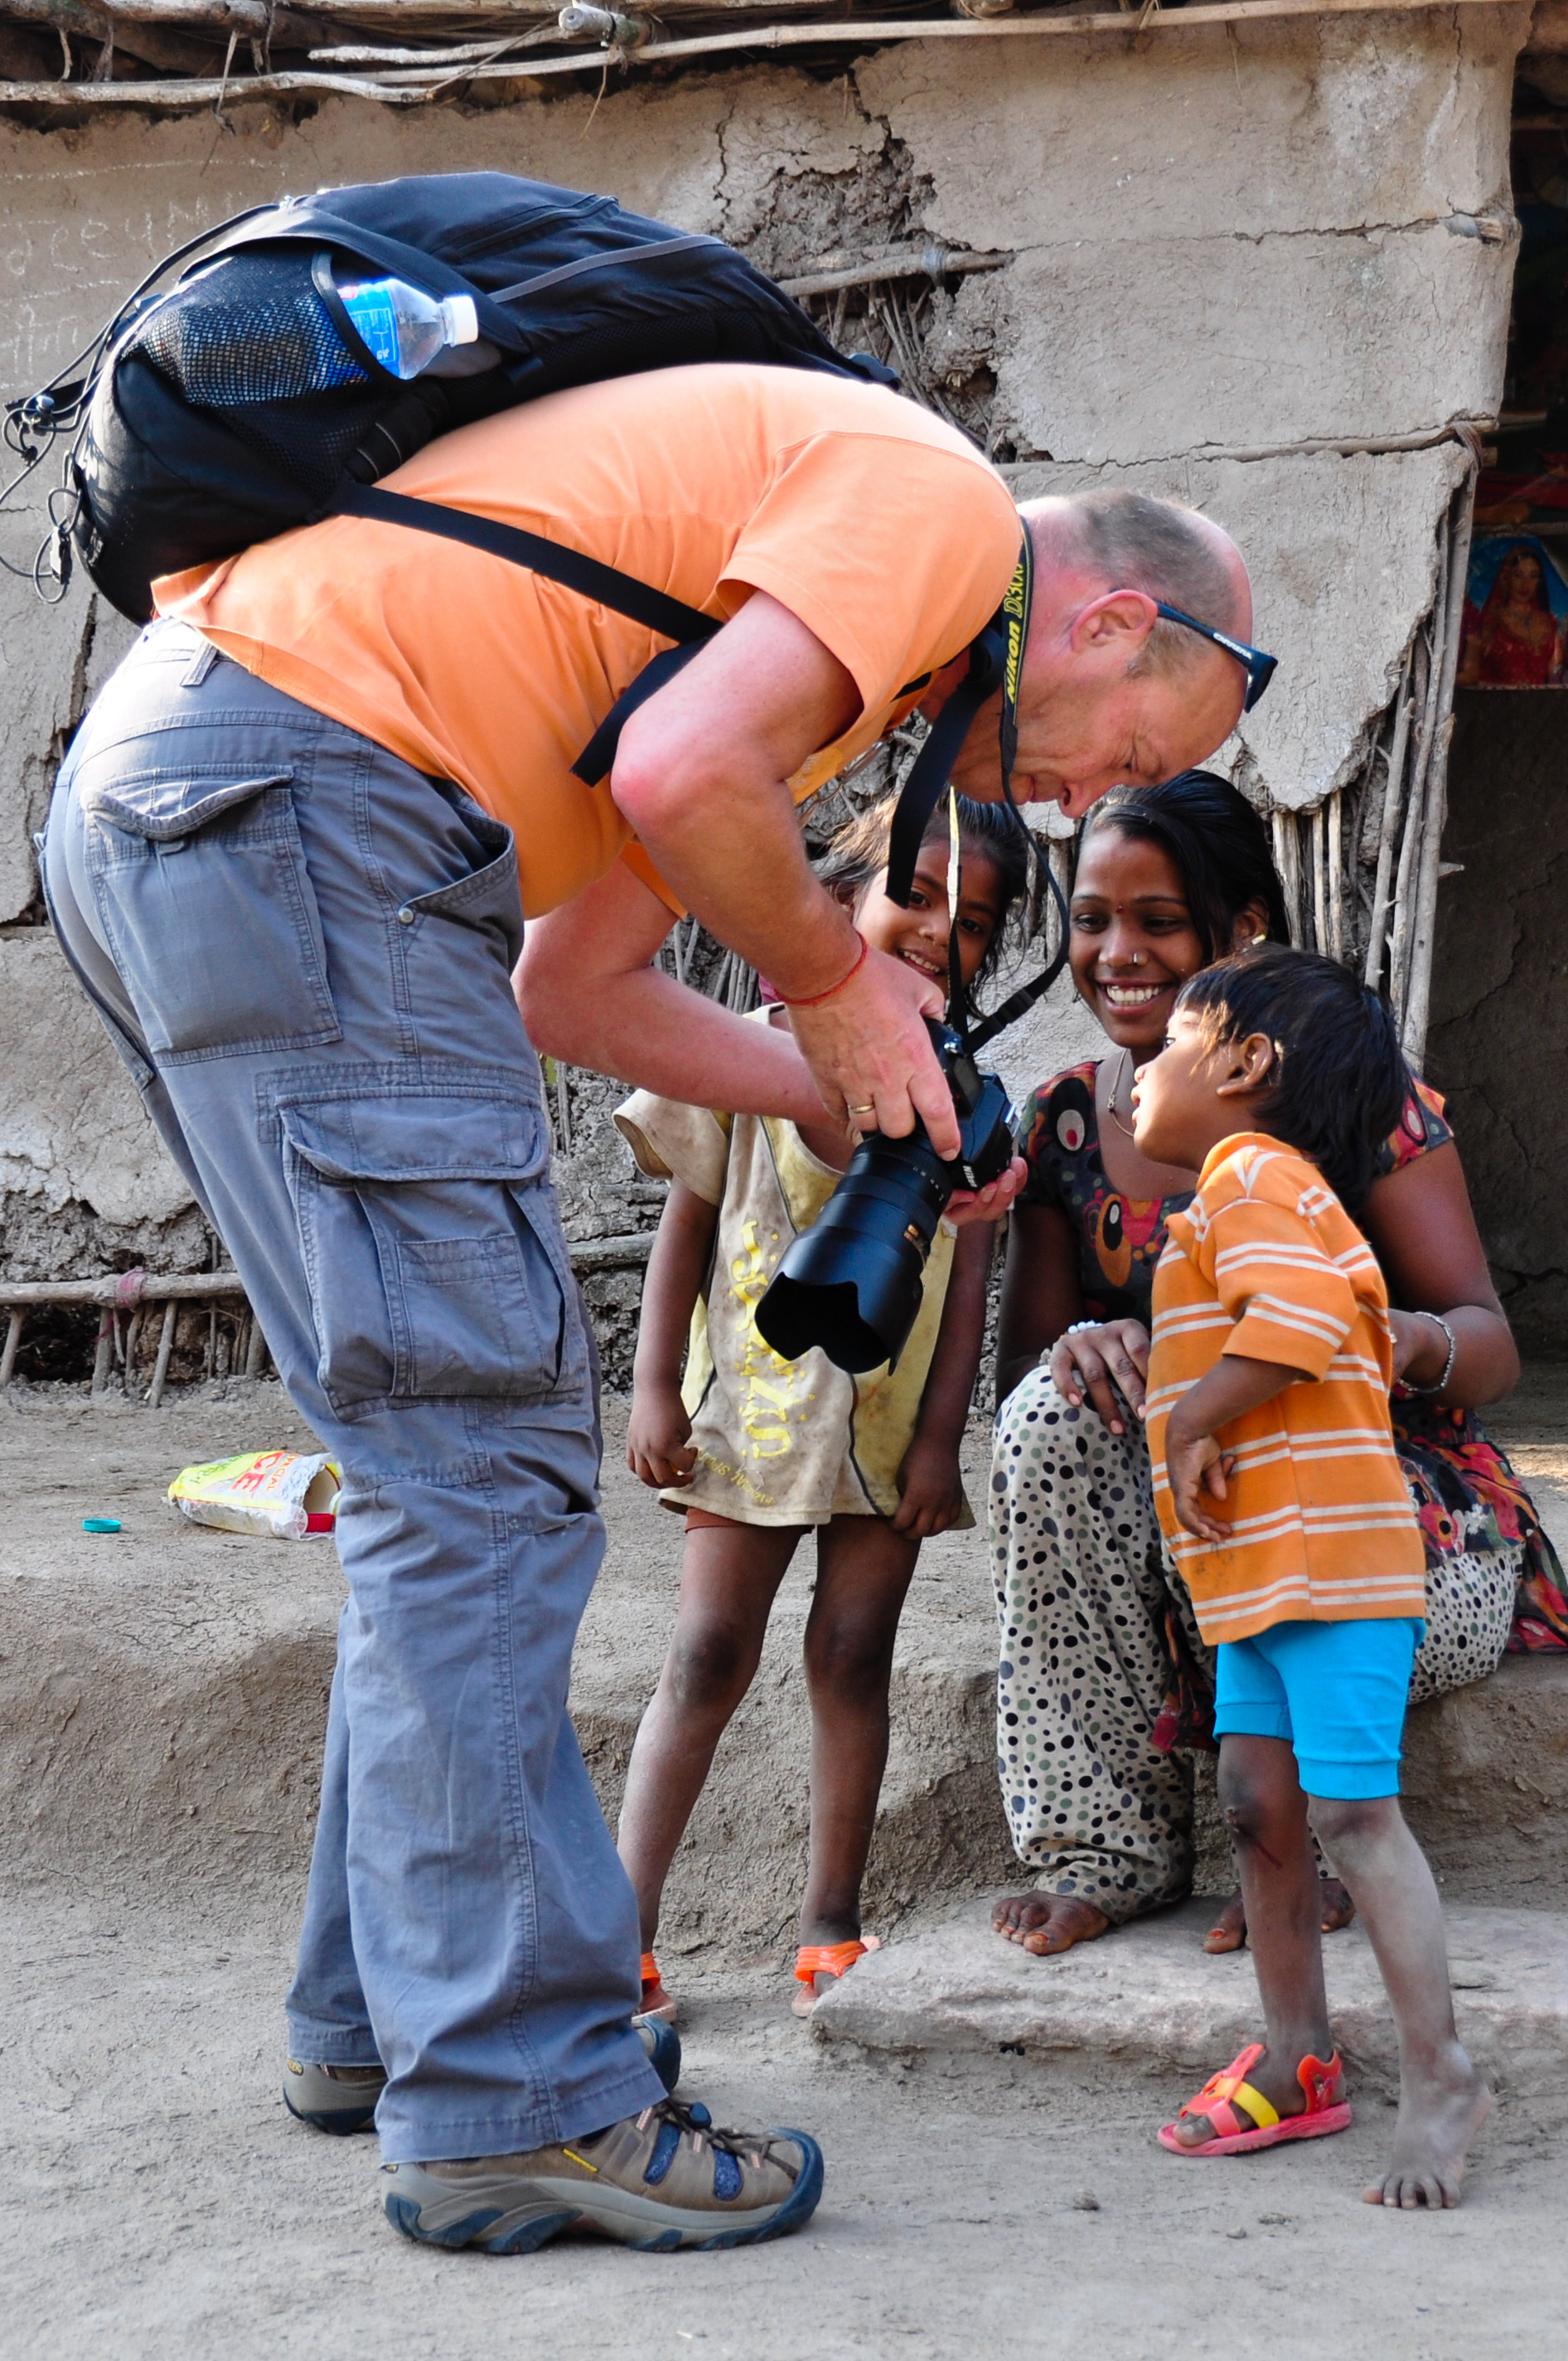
<point>1515,632</point>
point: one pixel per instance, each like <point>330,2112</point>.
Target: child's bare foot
<point>1440,2114</point>
<point>1048,1922</point>
<point>1228,1932</point>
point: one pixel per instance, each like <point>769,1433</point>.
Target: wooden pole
<point>1287,861</point>
<point>103,1359</point>
<point>1424,942</point>
<point>165,1347</point>
<point>1320,882</point>
<point>1393,803</point>
<point>13,1338</point>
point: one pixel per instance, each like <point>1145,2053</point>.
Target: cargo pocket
<point>201,886</point>
<point>487,899</point>
<point>437,1265</point>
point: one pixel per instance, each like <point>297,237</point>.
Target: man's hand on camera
<point>870,1056</point>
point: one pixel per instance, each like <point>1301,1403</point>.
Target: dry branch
<point>403,87</point>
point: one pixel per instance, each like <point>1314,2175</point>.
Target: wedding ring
<point>869,1108</point>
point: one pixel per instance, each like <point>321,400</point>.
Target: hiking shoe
<point>664,2179</point>
<point>342,2098</point>
<point>333,2098</point>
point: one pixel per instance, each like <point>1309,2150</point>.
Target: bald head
<point>1129,541</point>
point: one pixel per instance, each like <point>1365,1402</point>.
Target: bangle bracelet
<point>815,999</point>
<point>1410,1384</point>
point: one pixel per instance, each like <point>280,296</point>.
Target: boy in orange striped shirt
<point>1269,1392</point>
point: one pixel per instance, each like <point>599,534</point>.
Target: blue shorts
<point>1335,1692</point>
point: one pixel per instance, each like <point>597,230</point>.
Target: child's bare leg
<point>863,1569</point>
<point>1443,2101</point>
<point>1261,1798</point>
<point>730,1577</point>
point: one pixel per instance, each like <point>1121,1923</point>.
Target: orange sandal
<point>814,1959</point>
<point>1321,2114</point>
<point>655,2000</point>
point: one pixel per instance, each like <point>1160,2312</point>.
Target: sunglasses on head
<point>1259,669</point>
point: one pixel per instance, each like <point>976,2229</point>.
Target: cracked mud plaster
<point>1197,267</point>
<point>1341,553</point>
<point>84,1178</point>
<point>1251,232</point>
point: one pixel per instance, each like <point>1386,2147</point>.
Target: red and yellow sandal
<point>655,2000</point>
<point>814,1959</point>
<point>1321,2114</point>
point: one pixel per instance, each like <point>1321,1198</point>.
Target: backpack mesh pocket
<point>252,342</point>
<point>253,329</point>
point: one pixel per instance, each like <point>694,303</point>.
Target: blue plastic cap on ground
<point>100,1524</point>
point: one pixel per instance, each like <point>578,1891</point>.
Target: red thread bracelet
<point>815,999</point>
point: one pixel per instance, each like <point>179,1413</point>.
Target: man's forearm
<point>734,855</point>
<point>702,773</point>
<point>661,1036</point>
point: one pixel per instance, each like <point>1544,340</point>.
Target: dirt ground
<point>157,2201</point>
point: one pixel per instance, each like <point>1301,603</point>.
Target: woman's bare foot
<point>1228,1932</point>
<point>1048,1922</point>
<point>1440,2114</point>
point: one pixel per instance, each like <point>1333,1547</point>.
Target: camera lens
<point>851,1285</point>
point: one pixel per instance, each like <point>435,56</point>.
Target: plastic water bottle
<point>406,330</point>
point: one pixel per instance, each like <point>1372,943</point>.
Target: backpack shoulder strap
<point>605,585</point>
<point>671,618</point>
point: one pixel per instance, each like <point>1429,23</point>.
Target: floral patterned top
<point>1466,1495</point>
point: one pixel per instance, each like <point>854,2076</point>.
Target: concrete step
<point>163,1691</point>
<point>1150,1994</point>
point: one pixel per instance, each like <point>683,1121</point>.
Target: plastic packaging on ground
<point>288,1495</point>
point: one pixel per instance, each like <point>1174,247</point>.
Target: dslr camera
<point>852,1284</point>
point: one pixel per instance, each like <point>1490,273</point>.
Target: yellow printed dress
<point>778,1443</point>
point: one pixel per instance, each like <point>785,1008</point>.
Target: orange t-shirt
<point>874,522</point>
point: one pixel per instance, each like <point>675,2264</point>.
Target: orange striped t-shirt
<point>1266,1263</point>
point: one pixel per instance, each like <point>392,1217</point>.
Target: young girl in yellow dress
<point>756,1451</point>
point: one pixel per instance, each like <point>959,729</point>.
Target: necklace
<point>1110,1108</point>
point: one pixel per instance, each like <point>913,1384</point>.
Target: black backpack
<point>217,414</point>
<point>220,414</point>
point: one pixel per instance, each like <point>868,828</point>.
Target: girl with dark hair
<point>754,1452</point>
<point>1102,1672</point>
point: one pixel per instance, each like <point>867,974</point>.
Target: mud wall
<point>1234,249</point>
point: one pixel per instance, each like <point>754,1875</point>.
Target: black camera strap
<point>996,659</point>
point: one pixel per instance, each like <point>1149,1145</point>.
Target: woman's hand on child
<point>658,1438</point>
<point>930,1491</point>
<point>1103,1362</point>
<point>1196,1465</point>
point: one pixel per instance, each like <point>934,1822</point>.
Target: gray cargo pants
<point>301,948</point>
